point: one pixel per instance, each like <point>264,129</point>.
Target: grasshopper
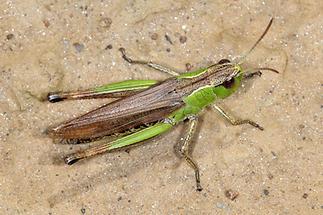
<point>148,108</point>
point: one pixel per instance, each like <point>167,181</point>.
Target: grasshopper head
<point>231,78</point>
<point>234,78</point>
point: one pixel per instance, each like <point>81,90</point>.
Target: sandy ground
<point>50,45</point>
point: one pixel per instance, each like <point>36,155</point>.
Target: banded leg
<point>125,141</point>
<point>184,151</point>
<point>155,66</point>
<point>235,121</point>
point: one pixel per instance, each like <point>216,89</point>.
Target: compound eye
<point>223,61</point>
<point>229,83</point>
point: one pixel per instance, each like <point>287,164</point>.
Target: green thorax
<point>203,97</point>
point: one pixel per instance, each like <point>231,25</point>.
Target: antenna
<point>254,46</point>
<point>261,69</point>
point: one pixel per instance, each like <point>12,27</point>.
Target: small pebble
<point>108,47</point>
<point>168,39</point>
<point>220,205</point>
<point>188,66</point>
<point>83,210</point>
<point>266,192</point>
<point>79,47</point>
<point>305,195</point>
<point>270,176</point>
<point>183,39</point>
<point>231,194</point>
<point>46,23</point>
<point>154,36</point>
<point>10,36</point>
<point>105,22</point>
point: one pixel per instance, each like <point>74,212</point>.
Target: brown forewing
<point>119,116</point>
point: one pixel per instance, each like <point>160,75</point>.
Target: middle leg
<point>184,150</point>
